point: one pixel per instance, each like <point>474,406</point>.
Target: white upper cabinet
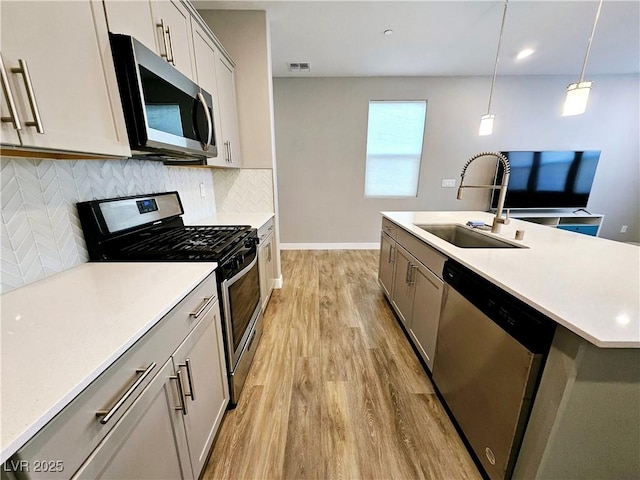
<point>230,141</point>
<point>135,19</point>
<point>163,26</point>
<point>205,59</point>
<point>177,33</point>
<point>58,75</point>
<point>215,74</point>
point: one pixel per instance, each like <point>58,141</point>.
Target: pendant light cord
<point>593,31</point>
<point>495,66</point>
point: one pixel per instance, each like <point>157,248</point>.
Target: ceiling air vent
<point>299,67</point>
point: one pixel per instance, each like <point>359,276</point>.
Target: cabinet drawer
<point>265,230</point>
<point>73,434</point>
<point>585,229</point>
<point>430,257</point>
<point>389,228</point>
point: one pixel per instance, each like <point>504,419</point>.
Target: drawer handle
<point>23,69</point>
<point>412,276</point>
<point>173,57</point>
<point>187,365</point>
<point>108,414</point>
<point>8,96</point>
<point>205,305</point>
<point>183,398</point>
<point>163,27</point>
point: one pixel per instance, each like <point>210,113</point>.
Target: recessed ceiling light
<point>388,32</point>
<point>527,52</point>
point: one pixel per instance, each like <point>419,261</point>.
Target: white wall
<point>321,128</point>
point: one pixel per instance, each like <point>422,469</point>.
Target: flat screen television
<point>548,179</point>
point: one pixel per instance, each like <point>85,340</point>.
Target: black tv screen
<point>548,179</point>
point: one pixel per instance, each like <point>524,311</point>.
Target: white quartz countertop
<point>587,284</point>
<point>255,220</point>
<point>60,333</point>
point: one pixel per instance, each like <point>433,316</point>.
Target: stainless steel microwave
<point>168,116</point>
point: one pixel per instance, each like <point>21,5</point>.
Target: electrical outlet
<point>203,192</point>
<point>448,183</point>
<point>623,229</point>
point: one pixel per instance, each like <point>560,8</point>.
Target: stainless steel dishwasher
<point>490,350</point>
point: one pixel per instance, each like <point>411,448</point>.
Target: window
<point>394,148</point>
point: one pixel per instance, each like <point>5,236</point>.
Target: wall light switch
<point>623,229</point>
<point>448,183</point>
<point>203,192</point>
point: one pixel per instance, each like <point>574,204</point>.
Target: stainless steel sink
<point>465,237</point>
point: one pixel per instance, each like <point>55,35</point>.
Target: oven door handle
<point>230,281</point>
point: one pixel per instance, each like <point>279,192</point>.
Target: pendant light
<point>578,93</point>
<point>486,121</point>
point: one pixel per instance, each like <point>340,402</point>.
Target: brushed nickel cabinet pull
<point>163,27</point>
<point>407,273</point>
<point>203,307</point>
<point>412,276</point>
<point>173,57</point>
<point>108,414</point>
<point>227,147</point>
<point>23,69</point>
<point>187,365</point>
<point>8,96</point>
<point>391,249</point>
<point>183,400</point>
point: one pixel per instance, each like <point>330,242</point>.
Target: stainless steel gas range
<point>150,228</point>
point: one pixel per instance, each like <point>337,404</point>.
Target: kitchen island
<point>586,415</point>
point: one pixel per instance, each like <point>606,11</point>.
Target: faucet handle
<point>507,218</point>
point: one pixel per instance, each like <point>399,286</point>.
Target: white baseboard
<point>330,246</point>
<point>278,282</point>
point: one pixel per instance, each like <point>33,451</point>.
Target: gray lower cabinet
<point>387,262</point>
<point>199,364</point>
<point>266,261</point>
<point>149,441</point>
<point>152,414</point>
<point>406,274</point>
<point>404,285</point>
<point>168,431</point>
<point>426,312</point>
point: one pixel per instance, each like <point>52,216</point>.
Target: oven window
<point>244,296</point>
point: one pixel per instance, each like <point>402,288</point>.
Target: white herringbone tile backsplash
<point>40,230</point>
<point>244,190</point>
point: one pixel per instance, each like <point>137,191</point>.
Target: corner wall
<point>321,130</point>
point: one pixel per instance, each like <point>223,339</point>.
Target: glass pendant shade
<point>577,96</point>
<point>486,125</point>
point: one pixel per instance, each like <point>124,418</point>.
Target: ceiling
<point>447,37</point>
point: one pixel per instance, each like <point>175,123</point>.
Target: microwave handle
<point>207,114</point>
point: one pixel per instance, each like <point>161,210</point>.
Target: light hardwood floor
<point>335,390</point>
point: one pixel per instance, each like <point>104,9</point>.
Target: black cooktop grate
<point>189,243</point>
